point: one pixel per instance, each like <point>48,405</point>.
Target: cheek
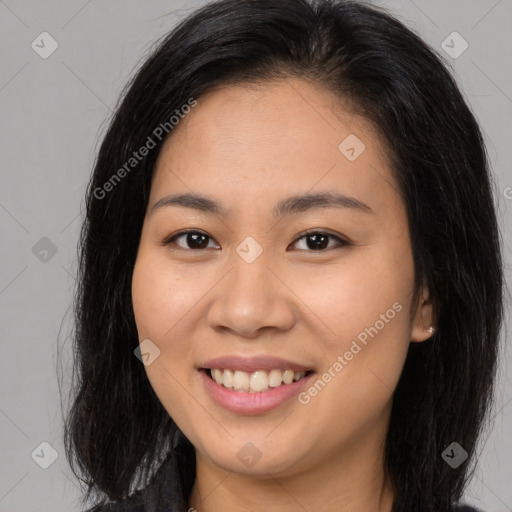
<point>352,295</point>
<point>365,347</point>
<point>160,302</point>
<point>362,306</point>
<point>160,307</point>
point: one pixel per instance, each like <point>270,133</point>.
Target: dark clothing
<point>165,492</point>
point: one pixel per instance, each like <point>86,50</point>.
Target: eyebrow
<point>293,204</point>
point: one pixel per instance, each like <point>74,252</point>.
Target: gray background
<point>53,111</point>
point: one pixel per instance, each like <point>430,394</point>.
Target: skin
<point>249,147</point>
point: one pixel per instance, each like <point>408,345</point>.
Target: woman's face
<point>251,290</point>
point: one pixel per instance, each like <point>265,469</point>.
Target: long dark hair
<point>117,432</point>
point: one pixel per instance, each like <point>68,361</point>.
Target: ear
<point>423,318</point>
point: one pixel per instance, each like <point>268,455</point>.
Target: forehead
<point>255,143</point>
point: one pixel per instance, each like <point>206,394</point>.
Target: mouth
<point>254,391</point>
<point>254,384</point>
<point>259,381</point>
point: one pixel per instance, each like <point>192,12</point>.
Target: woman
<point>290,290</point>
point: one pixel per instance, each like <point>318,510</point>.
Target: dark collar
<point>170,486</point>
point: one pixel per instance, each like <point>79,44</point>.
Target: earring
<point>431,329</point>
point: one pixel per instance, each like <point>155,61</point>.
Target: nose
<point>251,298</point>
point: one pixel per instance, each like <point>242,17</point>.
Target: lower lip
<point>252,403</point>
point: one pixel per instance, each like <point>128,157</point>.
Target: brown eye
<point>194,240</point>
<point>319,241</point>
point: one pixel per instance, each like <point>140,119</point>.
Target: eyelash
<point>342,243</point>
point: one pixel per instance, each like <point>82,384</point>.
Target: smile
<point>263,397</point>
<point>260,381</point>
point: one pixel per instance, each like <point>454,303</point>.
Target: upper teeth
<point>256,381</point>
